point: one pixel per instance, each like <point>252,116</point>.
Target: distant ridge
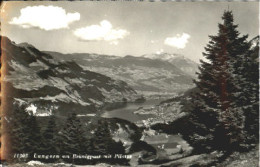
<point>183,63</point>
<point>141,73</point>
<point>36,78</point>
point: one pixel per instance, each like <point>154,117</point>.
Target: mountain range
<point>180,61</point>
<point>36,78</point>
<point>86,82</point>
<point>164,73</point>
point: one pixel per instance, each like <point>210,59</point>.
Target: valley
<point>36,78</point>
<point>130,94</point>
<point>146,75</point>
<point>129,84</point>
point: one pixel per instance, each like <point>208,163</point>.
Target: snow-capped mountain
<point>34,77</point>
<point>162,56</point>
<point>183,63</point>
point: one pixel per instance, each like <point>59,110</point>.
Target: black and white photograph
<point>128,83</point>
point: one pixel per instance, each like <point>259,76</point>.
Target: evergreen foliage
<point>102,138</point>
<point>50,137</point>
<point>18,132</point>
<point>104,144</point>
<point>73,136</point>
<point>249,84</point>
<point>71,139</point>
<point>35,136</point>
<point>25,132</point>
<point>227,83</point>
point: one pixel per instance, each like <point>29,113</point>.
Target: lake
<point>127,111</point>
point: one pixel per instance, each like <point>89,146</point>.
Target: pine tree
<point>217,115</point>
<point>35,136</point>
<point>73,136</point>
<point>19,130</point>
<point>103,144</point>
<point>50,137</point>
<point>102,139</point>
<point>249,84</point>
<point>24,132</point>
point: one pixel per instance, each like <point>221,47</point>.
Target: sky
<point>123,28</point>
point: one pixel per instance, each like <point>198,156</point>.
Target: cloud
<point>45,17</point>
<point>177,41</point>
<point>104,31</point>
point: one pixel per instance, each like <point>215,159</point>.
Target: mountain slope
<point>143,74</point>
<point>36,78</point>
<point>186,65</point>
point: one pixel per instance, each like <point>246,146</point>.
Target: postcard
<point>129,83</point>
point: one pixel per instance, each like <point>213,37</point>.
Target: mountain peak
<point>25,45</point>
<point>164,56</point>
<point>185,64</point>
